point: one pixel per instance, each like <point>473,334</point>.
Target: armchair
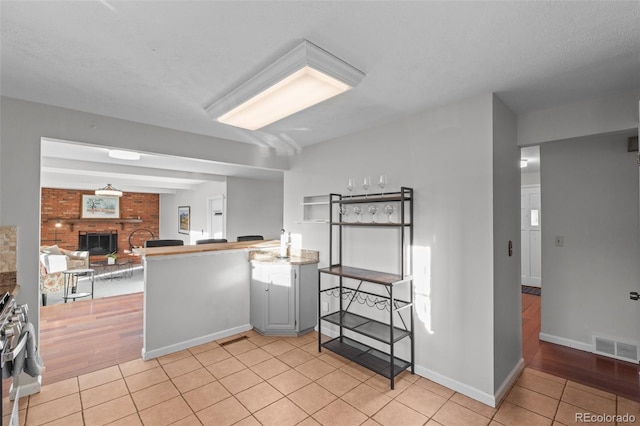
<point>54,260</point>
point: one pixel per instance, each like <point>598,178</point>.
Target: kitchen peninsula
<point>195,294</point>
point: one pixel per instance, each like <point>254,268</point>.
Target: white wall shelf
<point>315,209</point>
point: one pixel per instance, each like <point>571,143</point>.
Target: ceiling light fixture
<point>305,76</point>
<point>109,191</point>
<point>523,163</point>
<point>124,155</point>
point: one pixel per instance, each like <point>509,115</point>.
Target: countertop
<point>202,248</point>
<point>298,257</point>
<point>12,289</point>
<point>9,283</point>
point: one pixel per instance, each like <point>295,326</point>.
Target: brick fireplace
<point>98,243</point>
<point>142,211</point>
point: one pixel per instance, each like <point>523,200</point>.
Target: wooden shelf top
<point>73,222</point>
<point>202,248</point>
<point>404,194</point>
<point>363,274</point>
<point>94,220</point>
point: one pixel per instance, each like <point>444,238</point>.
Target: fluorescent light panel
<point>305,76</point>
<point>299,91</point>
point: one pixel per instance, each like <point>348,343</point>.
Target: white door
<point>216,217</point>
<point>530,222</point>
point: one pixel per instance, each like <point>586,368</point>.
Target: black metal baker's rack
<point>400,324</point>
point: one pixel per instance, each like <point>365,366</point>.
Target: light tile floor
<point>285,381</point>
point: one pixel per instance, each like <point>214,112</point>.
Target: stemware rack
<point>349,289</point>
<point>400,198</point>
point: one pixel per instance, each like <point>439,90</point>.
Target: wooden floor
<point>85,336</point>
<point>618,377</point>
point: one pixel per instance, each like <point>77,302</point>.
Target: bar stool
<point>250,238</point>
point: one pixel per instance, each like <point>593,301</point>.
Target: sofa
<point>54,260</point>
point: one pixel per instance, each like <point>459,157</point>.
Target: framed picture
<point>100,207</point>
<point>184,219</point>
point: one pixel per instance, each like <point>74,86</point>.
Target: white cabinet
<point>283,298</point>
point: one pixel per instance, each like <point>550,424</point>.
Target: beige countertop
<point>201,248</point>
<point>12,289</point>
<point>9,283</point>
<point>297,257</point>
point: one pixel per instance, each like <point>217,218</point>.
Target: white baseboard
<point>457,386</point>
<point>147,355</point>
<point>508,382</point>
<point>566,342</point>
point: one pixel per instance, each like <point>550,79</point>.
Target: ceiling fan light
<point>109,191</point>
<point>305,76</point>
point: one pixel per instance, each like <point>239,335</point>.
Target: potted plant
<point>111,258</point>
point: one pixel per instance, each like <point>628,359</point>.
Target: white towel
<point>27,360</point>
<point>57,263</point>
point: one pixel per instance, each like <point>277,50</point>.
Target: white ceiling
<point>82,166</point>
<point>163,62</point>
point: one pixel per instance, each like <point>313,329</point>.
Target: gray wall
<point>507,299</point>
<point>604,115</point>
<point>197,200</point>
<point>209,294</point>
<point>590,197</point>
<point>254,207</point>
<point>22,126</point>
<point>446,155</point>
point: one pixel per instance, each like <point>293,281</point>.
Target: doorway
<point>530,218</point>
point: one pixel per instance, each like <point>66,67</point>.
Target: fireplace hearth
<point>98,243</point>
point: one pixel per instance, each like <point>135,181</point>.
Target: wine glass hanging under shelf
<point>392,205</point>
<point>387,210</point>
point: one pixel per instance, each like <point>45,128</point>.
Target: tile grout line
<point>527,409</point>
<point>559,400</point>
<point>180,394</point>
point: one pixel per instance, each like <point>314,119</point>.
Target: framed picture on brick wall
<point>184,219</point>
<point>100,207</point>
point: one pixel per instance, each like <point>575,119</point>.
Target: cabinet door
<point>258,295</point>
<point>281,306</point>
